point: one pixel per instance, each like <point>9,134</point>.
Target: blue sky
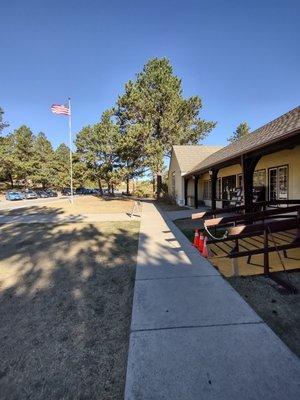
<point>241,57</point>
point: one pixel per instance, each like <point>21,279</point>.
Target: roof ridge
<point>273,130</point>
<point>281,117</point>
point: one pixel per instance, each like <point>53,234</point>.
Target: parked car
<point>82,191</point>
<point>42,194</point>
<point>51,192</point>
<point>29,194</point>
<point>94,191</point>
<point>13,195</point>
<point>66,192</point>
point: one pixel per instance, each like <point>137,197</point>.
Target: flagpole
<point>71,161</point>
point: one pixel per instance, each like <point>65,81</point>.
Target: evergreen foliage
<point>242,130</point>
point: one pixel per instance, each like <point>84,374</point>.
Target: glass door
<point>282,183</point>
<point>273,184</point>
<point>278,183</point>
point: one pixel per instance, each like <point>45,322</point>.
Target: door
<point>282,183</point>
<point>278,183</point>
<point>272,183</point>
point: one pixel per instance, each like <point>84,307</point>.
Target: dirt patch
<point>65,308</point>
<point>279,311</point>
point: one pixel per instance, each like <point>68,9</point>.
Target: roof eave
<point>239,154</point>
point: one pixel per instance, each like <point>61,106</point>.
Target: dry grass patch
<point>81,205</point>
<point>65,307</point>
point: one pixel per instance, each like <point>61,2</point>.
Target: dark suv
<point>51,193</point>
<point>66,192</point>
<point>81,190</point>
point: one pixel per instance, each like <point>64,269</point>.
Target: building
<point>184,159</point>
<point>265,164</point>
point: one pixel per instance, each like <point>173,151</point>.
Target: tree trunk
<point>153,185</point>
<point>127,186</point>
<point>158,185</point>
<point>100,186</point>
<point>11,181</point>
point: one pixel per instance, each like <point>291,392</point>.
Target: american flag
<point>60,109</point>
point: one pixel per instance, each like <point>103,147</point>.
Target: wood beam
<point>248,166</point>
<point>214,179</point>
<point>196,191</point>
<point>257,216</point>
<point>185,191</point>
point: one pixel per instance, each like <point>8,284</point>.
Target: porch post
<point>196,190</point>
<point>248,167</point>
<point>214,178</point>
<point>185,183</point>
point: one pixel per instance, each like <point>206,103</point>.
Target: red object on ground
<point>205,248</point>
<point>201,242</point>
<point>196,238</point>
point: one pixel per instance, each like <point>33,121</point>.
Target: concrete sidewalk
<point>192,336</point>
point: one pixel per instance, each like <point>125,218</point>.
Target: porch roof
<point>277,130</point>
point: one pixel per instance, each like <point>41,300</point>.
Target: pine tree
<point>22,153</point>
<point>242,130</point>
<point>97,148</point>
<point>61,166</point>
<point>2,123</point>
<point>155,102</point>
<point>43,161</point>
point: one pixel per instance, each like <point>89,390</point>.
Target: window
<point>278,183</point>
<point>207,190</point>
<point>273,184</point>
<point>259,178</point>
<point>228,186</point>
<point>283,182</point>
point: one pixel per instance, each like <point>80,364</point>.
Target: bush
<point>143,189</point>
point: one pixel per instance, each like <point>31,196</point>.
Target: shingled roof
<point>189,156</point>
<point>277,129</point>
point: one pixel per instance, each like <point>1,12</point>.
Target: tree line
<point>133,137</point>
<point>27,158</point>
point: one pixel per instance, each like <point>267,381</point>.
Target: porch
<point>267,174</point>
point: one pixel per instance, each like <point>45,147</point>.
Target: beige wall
<point>284,157</point>
<point>232,170</point>
<point>179,184</point>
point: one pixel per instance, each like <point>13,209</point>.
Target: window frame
<point>207,190</point>
<point>277,180</point>
<point>266,176</point>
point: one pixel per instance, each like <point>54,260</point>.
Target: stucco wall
<point>191,192</point>
<point>284,157</point>
<point>179,189</point>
